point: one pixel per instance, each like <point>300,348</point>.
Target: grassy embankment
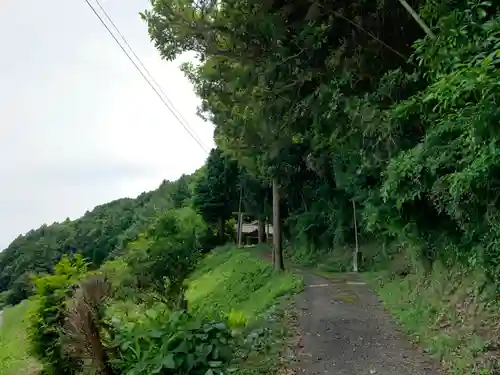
<point>243,282</point>
<point>448,313</point>
<point>14,357</point>
<point>226,280</point>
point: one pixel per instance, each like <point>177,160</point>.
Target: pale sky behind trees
<point>79,125</point>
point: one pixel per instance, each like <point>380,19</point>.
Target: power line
<point>143,66</point>
<point>165,102</point>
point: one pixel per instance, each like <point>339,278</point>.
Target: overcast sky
<point>79,126</point>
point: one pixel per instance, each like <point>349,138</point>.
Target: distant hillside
<point>99,234</point>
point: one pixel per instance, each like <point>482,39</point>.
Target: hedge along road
<point>1,319</point>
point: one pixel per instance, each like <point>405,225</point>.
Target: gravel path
<point>345,331</point>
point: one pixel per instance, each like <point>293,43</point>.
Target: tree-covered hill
<point>98,235</point>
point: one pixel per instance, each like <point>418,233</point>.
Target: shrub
<point>165,256</point>
<point>172,343</point>
<point>48,317</point>
<point>123,283</point>
<point>4,297</point>
<point>20,290</point>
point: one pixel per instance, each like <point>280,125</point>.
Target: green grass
<point>234,279</point>
<point>334,261</point>
<point>226,280</point>
<point>447,313</point>
<point>243,281</point>
<point>14,358</point>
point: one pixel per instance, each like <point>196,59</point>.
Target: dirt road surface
<point>345,331</point>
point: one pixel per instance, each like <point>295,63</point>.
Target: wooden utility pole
<point>278,246</point>
<point>356,251</point>
<point>240,218</point>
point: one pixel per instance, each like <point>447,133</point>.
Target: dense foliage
<point>216,192</point>
<point>98,235</point>
<point>74,330</point>
<point>350,111</point>
<point>81,325</point>
<point>173,343</point>
<point>354,104</point>
<point>48,318</point>
<point>164,257</point>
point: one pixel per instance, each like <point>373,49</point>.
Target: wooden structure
<point>250,232</point>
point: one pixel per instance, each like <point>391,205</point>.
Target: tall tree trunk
<point>278,246</point>
<point>262,229</point>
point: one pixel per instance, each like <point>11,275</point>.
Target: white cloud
<point>79,125</point>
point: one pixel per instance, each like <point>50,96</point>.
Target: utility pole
<point>240,217</point>
<point>356,251</point>
<point>278,245</point>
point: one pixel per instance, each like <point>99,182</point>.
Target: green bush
<point>48,317</point>
<point>20,290</point>
<point>167,343</point>
<point>165,256</point>
<point>123,282</point>
<point>4,297</point>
